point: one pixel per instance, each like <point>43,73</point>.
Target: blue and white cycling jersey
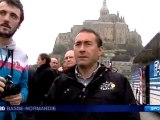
<point>20,70</point>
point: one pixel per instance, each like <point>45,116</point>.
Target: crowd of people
<point>80,80</point>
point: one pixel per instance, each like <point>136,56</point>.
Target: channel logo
<point>2,108</point>
<point>153,108</point>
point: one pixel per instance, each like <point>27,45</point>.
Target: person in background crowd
<point>43,78</point>
<point>91,83</point>
<point>69,59</point>
<point>54,63</point>
<point>13,61</point>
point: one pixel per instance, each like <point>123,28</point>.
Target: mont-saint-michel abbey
<point>120,44</point>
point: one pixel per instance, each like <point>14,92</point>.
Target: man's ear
<point>101,51</point>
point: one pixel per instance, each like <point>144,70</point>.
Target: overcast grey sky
<point>44,19</point>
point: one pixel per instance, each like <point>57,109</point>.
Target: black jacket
<point>42,80</point>
<point>106,88</point>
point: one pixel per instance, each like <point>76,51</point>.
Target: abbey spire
<point>104,11</point>
<point>104,2</point>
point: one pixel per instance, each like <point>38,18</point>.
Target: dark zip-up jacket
<point>42,80</point>
<point>106,88</point>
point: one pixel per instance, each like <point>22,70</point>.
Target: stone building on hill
<point>120,44</point>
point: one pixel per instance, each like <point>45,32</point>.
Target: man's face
<point>9,19</point>
<point>69,59</point>
<point>86,49</point>
<point>54,63</point>
<point>40,61</point>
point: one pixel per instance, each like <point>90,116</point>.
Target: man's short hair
<point>98,38</point>
<point>45,56</point>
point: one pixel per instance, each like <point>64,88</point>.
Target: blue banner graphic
<point>75,108</point>
<point>84,108</point>
<point>152,108</point>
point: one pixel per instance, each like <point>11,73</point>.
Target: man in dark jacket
<point>90,83</point>
<point>41,82</point>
